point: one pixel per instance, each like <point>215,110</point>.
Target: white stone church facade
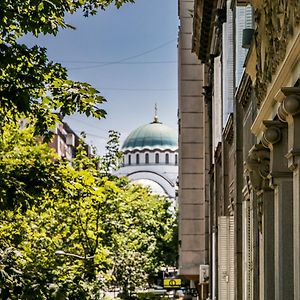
<point>151,158</point>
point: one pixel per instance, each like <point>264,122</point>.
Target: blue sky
<point>147,30</point>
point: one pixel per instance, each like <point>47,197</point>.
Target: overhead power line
<point>121,63</point>
<point>126,58</point>
<point>143,90</point>
<point>91,134</point>
<point>85,123</point>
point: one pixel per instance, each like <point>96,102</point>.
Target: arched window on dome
<point>156,158</point>
<point>137,159</point>
<point>176,159</point>
<point>167,159</point>
<point>147,158</point>
<point>129,159</point>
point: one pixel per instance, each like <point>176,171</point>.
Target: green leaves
<point>29,82</point>
<point>69,97</point>
<point>47,205</point>
<point>32,85</point>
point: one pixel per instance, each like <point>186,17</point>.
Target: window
<point>157,158</point>
<point>129,159</point>
<point>176,159</point>
<point>147,158</point>
<point>167,158</point>
<point>137,159</point>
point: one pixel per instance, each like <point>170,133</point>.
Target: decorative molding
<point>275,138</point>
<point>148,150</point>
<point>204,17</point>
<point>289,111</point>
<point>152,172</point>
<point>272,135</point>
<point>293,159</point>
<point>258,167</point>
<point>229,130</point>
<point>244,90</point>
<point>276,20</point>
<point>291,104</point>
<point>282,78</point>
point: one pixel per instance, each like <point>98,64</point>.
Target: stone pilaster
<point>275,138</point>
<point>267,261</point>
<point>289,111</point>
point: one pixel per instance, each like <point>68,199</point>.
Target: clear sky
<point>130,56</point>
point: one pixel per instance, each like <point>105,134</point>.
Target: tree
<point>119,228</point>
<point>111,160</point>
<point>29,82</point>
<point>48,205</point>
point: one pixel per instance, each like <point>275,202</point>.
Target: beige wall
<point>192,205</point>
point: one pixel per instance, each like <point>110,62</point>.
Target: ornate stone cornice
<point>275,20</point>
<point>203,23</point>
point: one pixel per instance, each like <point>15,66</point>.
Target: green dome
<point>153,135</point>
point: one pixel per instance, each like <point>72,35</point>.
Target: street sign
<point>172,283</point>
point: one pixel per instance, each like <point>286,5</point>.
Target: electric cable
<point>126,58</point>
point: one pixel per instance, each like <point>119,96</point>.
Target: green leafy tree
<point>118,231</point>
<point>116,228</point>
<point>29,82</point>
<point>111,160</point>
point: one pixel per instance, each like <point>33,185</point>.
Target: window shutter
<point>226,258</point>
<point>231,258</point>
<point>247,251</point>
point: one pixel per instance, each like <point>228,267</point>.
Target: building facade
<point>249,52</point>
<point>151,159</point>
<point>65,141</point>
<point>193,114</point>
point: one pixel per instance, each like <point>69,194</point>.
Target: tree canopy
<point>123,231</point>
<point>29,82</point>
<point>67,231</point>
